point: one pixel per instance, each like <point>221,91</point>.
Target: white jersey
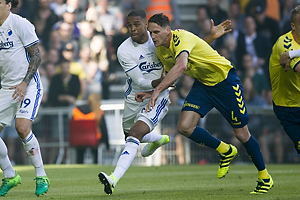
<point>141,65</point>
<point>16,33</point>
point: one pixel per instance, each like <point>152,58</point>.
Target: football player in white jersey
<point>21,92</point>
<point>140,63</point>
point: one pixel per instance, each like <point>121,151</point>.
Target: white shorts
<point>134,111</point>
<point>28,108</point>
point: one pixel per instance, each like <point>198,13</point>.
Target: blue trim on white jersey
<point>31,43</point>
<point>38,95</point>
<point>161,106</point>
<point>131,69</point>
<point>129,89</point>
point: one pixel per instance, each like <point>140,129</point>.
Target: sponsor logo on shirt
<point>6,45</point>
<point>148,67</point>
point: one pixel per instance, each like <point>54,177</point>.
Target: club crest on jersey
<point>6,45</point>
<point>148,67</point>
<point>9,32</point>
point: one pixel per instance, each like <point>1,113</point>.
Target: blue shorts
<point>227,97</point>
<point>289,118</point>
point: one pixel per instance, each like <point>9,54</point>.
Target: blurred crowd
<point>78,43</point>
<point>79,39</point>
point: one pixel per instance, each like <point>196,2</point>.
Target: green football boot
<point>151,147</point>
<point>8,183</point>
<point>42,185</point>
<point>109,182</point>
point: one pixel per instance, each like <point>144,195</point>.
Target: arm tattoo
<point>35,60</point>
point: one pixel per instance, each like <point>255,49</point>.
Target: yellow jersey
<point>285,85</point>
<point>204,63</point>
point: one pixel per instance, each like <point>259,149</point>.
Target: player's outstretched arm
<point>217,31</point>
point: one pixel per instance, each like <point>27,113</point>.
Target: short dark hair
<point>14,3</point>
<point>295,11</point>
<point>137,13</point>
<point>160,19</point>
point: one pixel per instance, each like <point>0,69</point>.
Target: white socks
<point>32,147</point>
<point>151,137</point>
<point>127,156</point>
<point>5,163</point>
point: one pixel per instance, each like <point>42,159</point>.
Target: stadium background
<point>51,125</point>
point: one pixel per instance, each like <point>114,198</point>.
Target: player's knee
<point>242,134</point>
<point>184,129</point>
<point>22,130</point>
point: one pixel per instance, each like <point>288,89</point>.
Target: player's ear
<point>293,26</point>
<point>8,6</point>
<point>168,28</point>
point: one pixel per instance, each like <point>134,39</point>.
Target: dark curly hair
<point>14,3</point>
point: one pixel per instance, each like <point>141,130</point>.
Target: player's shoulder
<point>17,18</point>
<point>181,32</point>
<point>125,46</point>
<point>18,21</point>
<point>285,38</point>
<point>183,35</point>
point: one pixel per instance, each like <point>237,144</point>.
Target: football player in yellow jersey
<point>286,81</point>
<point>216,85</point>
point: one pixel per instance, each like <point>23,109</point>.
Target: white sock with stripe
<point>127,156</point>
<point>32,147</point>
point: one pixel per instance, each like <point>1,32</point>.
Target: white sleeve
<point>136,75</point>
<point>26,32</point>
<point>131,69</point>
<point>294,53</point>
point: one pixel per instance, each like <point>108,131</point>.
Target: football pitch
<point>170,182</point>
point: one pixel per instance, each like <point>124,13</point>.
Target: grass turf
<point>171,182</point>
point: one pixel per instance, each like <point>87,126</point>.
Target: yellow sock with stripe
<point>263,174</point>
<point>223,148</point>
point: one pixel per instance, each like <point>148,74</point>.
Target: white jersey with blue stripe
<point>140,64</point>
<point>16,33</point>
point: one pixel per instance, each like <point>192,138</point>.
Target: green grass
<point>171,182</point>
